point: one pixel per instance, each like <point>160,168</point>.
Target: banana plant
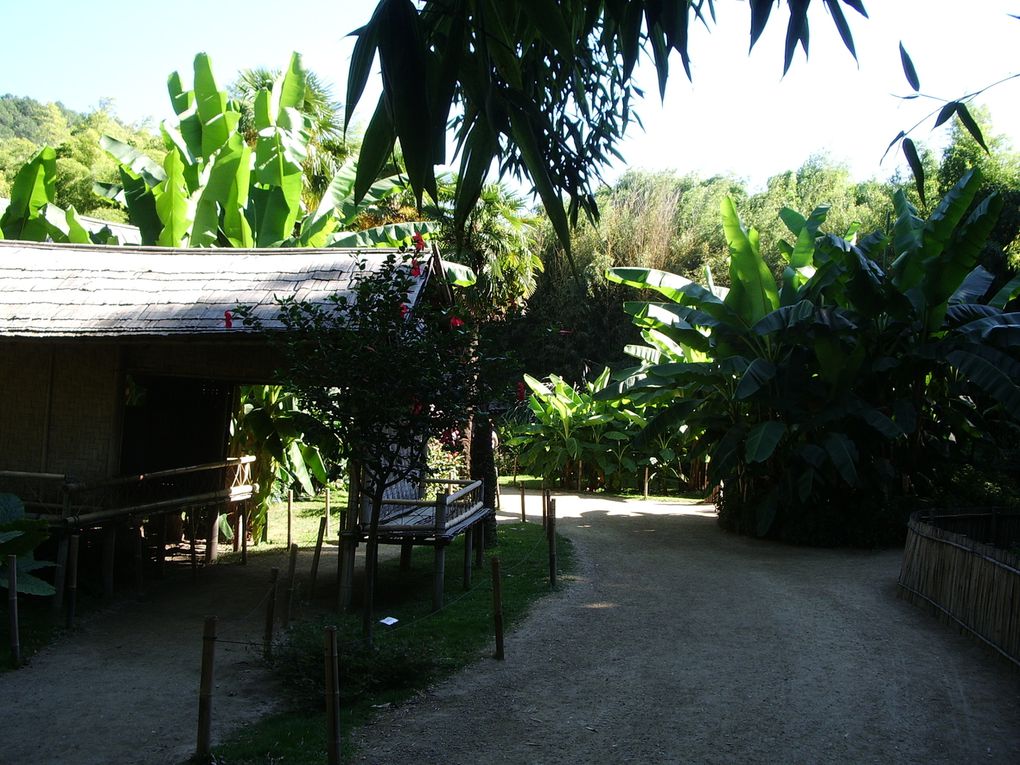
<point>823,398</point>
<point>32,214</point>
<point>19,536</point>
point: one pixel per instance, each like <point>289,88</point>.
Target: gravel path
<point>680,643</point>
<point>675,642</point>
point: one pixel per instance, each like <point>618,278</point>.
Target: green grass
<point>419,650</point>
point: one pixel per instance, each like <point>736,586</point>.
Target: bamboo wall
<point>973,585</point>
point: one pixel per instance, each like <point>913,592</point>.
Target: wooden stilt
<point>267,637</point>
<point>468,545</point>
<point>235,524</point>
<point>161,525</point>
<point>524,517</point>
<point>349,548</point>
<point>212,544</point>
<point>326,513</point>
<point>109,548</point>
<point>290,518</point>
<point>12,609</point>
<point>552,544</point>
<point>439,576</point>
<point>497,606</point>
<point>60,574</point>
<point>291,576</point>
<point>479,543</point>
<point>406,550</point>
<point>72,579</point>
<point>323,523</point>
<point>245,517</point>
<point>332,697</point>
<point>139,555</point>
<point>194,551</point>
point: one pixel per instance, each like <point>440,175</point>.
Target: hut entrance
<point>172,422</point>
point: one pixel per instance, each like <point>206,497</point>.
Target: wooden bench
<point>407,519</point>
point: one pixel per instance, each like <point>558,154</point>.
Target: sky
<point>740,116</point>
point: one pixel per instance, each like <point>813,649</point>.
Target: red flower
<point>419,242</point>
<point>456,321</point>
<point>520,390</point>
<point>415,268</point>
<point>228,319</point>
<point>404,310</point>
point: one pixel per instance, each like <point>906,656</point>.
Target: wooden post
<point>12,608</point>
<point>267,640</point>
<point>327,512</point>
<point>109,545</point>
<point>72,579</point>
<point>406,551</point>
<point>552,544</point>
<point>469,538</point>
<point>323,525</point>
<point>205,689</point>
<point>479,543</point>
<point>60,574</point>
<point>545,508</point>
<point>524,517</point>
<point>497,606</point>
<point>646,482</point>
<point>580,472</point>
<point>290,518</point>
<point>236,526</point>
<point>439,574</point>
<point>291,575</point>
<point>332,697</point>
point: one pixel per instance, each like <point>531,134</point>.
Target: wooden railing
<point>78,504</point>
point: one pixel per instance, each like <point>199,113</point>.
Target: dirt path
<point>123,686</point>
<point>675,643</point>
<point>679,643</point>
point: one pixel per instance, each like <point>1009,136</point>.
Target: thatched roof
<point>59,290</point>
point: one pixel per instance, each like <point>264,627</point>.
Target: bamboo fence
<point>966,569</point>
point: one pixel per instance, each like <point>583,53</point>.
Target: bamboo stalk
<point>332,697</point>
<point>497,607</point>
<point>323,526</point>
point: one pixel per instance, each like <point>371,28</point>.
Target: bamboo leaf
<point>910,152</point>
<point>908,69</point>
<point>971,125</point>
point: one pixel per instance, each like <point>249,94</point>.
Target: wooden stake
<point>237,528</point>
<point>12,609</point>
<point>72,579</point>
<point>580,472</point>
<point>406,551</point>
<point>332,697</point>
<point>646,483</point>
<point>497,607</point>
<point>323,530</point>
<point>267,640</point>
<point>291,575</point>
<point>290,518</point>
<point>327,513</point>
<point>552,544</point>
<point>524,518</point>
<point>545,508</point>
<point>205,689</point>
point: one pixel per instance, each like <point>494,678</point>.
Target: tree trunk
<point>483,467</point>
<point>371,555</point>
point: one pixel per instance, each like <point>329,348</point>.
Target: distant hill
<point>24,117</point>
